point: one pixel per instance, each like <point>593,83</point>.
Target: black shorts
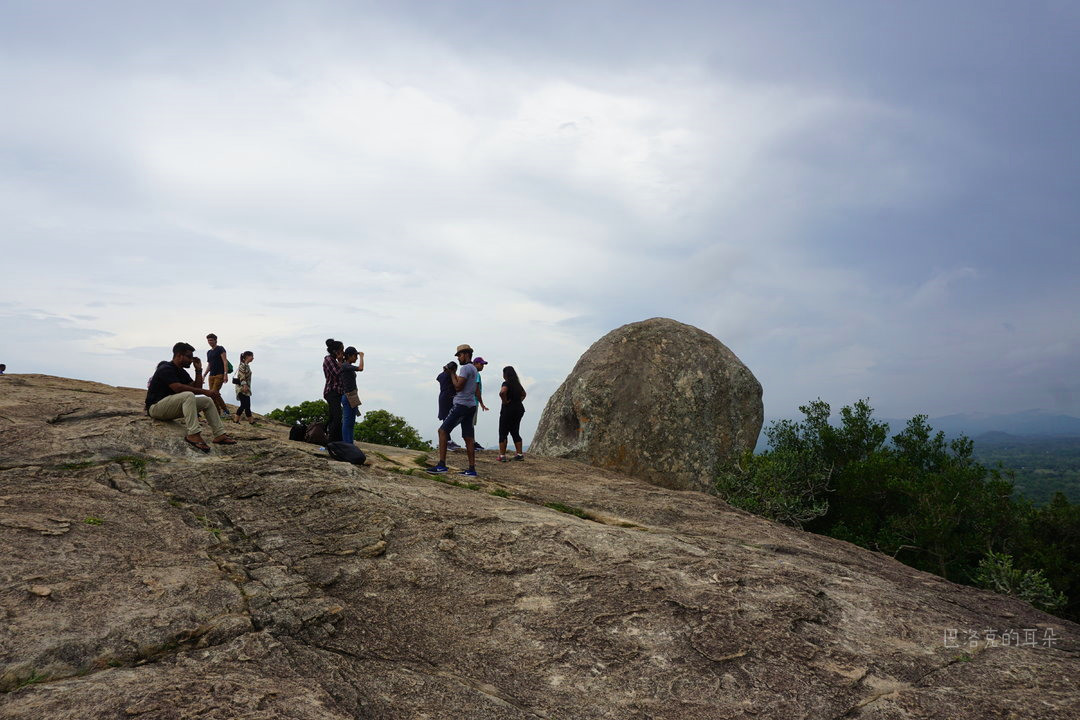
<point>460,415</point>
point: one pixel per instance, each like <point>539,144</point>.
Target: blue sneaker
<point>468,473</point>
<point>438,469</point>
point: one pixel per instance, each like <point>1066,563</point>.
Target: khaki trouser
<point>215,381</point>
<point>188,405</point>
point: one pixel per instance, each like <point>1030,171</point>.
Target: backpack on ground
<point>316,434</point>
<point>346,452</point>
<point>297,432</point>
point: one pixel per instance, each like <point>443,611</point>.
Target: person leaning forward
<point>171,394</point>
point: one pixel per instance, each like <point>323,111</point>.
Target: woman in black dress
<point>512,395</point>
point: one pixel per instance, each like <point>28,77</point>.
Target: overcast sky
<point>860,199</point>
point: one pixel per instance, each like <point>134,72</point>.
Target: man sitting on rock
<point>172,393</point>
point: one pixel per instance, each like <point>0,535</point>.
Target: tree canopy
<point>915,496</point>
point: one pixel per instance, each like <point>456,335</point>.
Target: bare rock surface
<point>142,579</point>
<point>658,400</point>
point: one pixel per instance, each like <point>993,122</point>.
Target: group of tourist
<point>461,394</point>
<point>172,393</point>
<point>342,398</point>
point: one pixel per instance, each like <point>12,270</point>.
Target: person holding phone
<point>172,393</point>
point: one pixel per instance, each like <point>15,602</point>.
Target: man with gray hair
<point>462,412</point>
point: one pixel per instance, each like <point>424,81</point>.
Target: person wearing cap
<point>462,412</point>
<point>479,362</point>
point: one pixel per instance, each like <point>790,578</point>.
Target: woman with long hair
<point>513,408</point>
<point>242,380</point>
<point>331,367</point>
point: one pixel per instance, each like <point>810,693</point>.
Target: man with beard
<point>172,393</point>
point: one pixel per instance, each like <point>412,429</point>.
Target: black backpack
<point>297,432</point>
<point>346,452</point>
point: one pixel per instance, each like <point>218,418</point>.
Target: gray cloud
<point>859,200</point>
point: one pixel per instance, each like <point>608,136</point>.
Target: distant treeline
<point>917,496</point>
<point>1039,466</point>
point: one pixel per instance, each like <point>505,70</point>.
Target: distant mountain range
<point>1029,423</point>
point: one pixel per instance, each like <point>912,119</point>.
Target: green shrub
<point>383,428</point>
<point>779,485</point>
<point>996,572</point>
<point>308,413</point>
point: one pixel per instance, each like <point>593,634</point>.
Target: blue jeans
<point>348,420</point>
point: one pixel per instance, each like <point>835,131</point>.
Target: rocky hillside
<point>142,579</point>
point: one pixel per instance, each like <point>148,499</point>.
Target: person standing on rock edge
<point>479,363</point>
<point>242,380</point>
<point>217,371</point>
<point>446,395</point>
<point>171,394</point>
<point>512,395</point>
<point>350,396</point>
<point>462,412</point>
<point>332,390</point>
<point>3,368</point>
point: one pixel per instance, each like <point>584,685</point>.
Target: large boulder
<point>657,399</point>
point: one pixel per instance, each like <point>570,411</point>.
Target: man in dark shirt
<point>172,393</point>
<point>217,370</point>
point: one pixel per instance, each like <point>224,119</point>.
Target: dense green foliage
<point>380,426</point>
<point>377,426</point>
<point>916,496</point>
<point>307,413</point>
<point>1040,467</point>
<point>996,572</point>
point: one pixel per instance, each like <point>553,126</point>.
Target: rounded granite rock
<point>659,400</point>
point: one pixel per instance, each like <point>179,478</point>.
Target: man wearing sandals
<point>171,394</point>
